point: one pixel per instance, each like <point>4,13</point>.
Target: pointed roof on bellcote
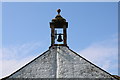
<point>58,18</point>
<point>59,21</point>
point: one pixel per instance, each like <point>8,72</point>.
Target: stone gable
<point>60,62</point>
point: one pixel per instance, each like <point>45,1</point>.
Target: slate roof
<point>60,62</point>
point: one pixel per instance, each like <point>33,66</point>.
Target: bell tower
<point>58,30</point>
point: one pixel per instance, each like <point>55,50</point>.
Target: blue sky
<point>92,31</point>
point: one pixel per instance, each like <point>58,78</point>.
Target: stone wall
<point>60,62</point>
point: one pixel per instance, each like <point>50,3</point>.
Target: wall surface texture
<point>60,62</point>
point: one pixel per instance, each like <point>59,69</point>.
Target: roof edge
<point>24,66</point>
<point>93,64</point>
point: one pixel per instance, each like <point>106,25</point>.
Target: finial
<point>58,11</point>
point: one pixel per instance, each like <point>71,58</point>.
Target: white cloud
<point>104,54</point>
<point>13,55</point>
<point>10,66</point>
<point>19,51</point>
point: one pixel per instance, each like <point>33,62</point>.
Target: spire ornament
<point>58,11</point>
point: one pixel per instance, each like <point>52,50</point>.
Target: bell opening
<point>58,36</point>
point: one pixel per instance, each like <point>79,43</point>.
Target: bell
<point>59,38</point>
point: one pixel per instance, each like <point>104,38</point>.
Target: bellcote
<point>58,27</point>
